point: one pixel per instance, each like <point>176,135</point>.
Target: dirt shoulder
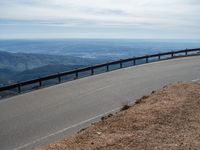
<point>167,119</point>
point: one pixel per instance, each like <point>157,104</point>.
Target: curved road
<point>45,115</point>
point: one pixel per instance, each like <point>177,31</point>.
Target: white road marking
<point>195,80</point>
<point>73,126</point>
<point>65,129</point>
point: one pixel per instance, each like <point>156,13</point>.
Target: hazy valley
<point>27,59</point>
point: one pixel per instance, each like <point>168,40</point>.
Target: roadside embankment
<point>169,118</point>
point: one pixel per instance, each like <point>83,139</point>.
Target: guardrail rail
<point>17,88</point>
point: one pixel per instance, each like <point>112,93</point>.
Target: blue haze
<point>96,49</point>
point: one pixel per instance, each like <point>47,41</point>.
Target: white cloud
<point>105,13</point>
<point>102,10</point>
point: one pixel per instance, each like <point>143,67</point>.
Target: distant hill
<point>9,76</point>
<point>22,61</point>
<point>16,67</point>
<point>43,71</point>
<point>6,76</point>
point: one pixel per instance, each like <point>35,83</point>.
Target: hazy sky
<point>147,19</point>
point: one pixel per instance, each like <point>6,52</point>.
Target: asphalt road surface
<point>43,116</point>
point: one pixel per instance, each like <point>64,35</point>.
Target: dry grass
<point>167,119</point>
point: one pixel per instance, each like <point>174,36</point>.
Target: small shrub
<point>125,107</point>
<point>106,117</point>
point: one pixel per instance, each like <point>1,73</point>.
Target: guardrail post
<point>147,59</point>
<point>107,68</point>
<point>76,75</point>
<point>19,88</point>
<point>172,54</point>
<point>121,64</point>
<point>59,78</point>
<point>40,83</point>
<point>159,57</point>
<point>92,71</point>
<point>186,53</point>
<point>134,62</point>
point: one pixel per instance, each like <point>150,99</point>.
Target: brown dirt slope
<point>167,119</point>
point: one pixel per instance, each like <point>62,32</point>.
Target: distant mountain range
<point>22,61</point>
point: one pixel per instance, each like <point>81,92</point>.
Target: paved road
<point>45,115</point>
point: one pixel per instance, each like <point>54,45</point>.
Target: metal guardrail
<point>76,72</point>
